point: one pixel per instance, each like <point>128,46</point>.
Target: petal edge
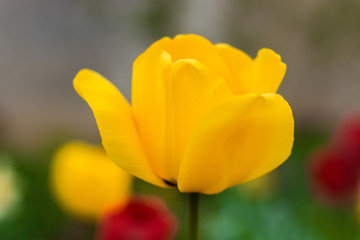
<point>242,139</point>
<point>114,118</point>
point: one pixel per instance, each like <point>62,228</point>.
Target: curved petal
<point>191,46</point>
<point>240,140</point>
<point>240,66</point>
<point>269,71</point>
<point>261,75</point>
<point>193,91</point>
<point>115,122</point>
<point>150,72</point>
<point>168,100</point>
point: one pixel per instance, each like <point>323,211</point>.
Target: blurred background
<point>44,43</point>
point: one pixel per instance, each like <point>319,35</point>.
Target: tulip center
<point>170,183</point>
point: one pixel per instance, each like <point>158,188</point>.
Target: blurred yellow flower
<point>86,182</point>
<point>9,188</point>
<point>204,117</point>
<point>262,188</point>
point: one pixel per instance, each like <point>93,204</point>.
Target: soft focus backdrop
<point>44,43</point>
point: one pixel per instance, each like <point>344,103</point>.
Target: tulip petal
<point>242,139</point>
<point>269,71</point>
<point>193,91</point>
<point>240,67</point>
<point>116,125</point>
<point>191,46</point>
<point>150,71</point>
<point>261,75</point>
<point>168,101</point>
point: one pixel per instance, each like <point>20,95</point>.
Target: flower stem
<point>193,215</point>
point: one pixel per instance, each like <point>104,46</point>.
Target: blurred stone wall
<point>44,43</point>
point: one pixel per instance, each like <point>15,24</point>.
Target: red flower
<point>143,218</point>
<point>333,176</point>
<point>347,137</point>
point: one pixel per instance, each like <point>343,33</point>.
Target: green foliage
<point>291,213</point>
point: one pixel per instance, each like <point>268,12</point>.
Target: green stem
<point>193,216</point>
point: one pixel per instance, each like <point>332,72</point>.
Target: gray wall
<point>44,43</point>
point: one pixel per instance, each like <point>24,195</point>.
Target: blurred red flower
<point>334,170</point>
<point>333,176</point>
<point>347,137</point>
<point>144,218</point>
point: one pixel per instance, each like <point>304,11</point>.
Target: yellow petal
<point>193,91</point>
<point>86,182</point>
<point>150,72</point>
<point>191,46</point>
<point>240,66</point>
<point>269,71</point>
<point>261,75</point>
<point>168,100</point>
<point>116,125</point>
<point>240,140</point>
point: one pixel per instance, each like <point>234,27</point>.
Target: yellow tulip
<point>203,117</point>
<point>86,182</point>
